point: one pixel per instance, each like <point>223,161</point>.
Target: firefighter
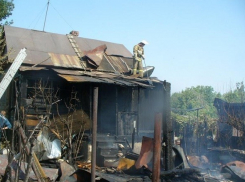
<point>138,56</point>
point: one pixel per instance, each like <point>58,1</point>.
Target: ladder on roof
<point>12,71</point>
<point>76,49</point>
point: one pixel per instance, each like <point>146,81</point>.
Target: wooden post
<point>167,126</point>
<point>94,133</point>
<point>157,148</point>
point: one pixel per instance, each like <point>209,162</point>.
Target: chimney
<point>74,33</point>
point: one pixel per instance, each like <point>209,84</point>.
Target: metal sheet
<point>124,82</point>
<point>68,72</point>
<point>75,78</point>
<point>113,177</point>
<point>108,80</point>
<point>28,68</point>
<point>141,84</point>
<point>40,43</point>
<point>104,75</point>
<point>50,172</point>
<point>66,170</point>
<point>47,145</point>
<point>65,60</point>
<point>146,154</point>
<point>86,44</point>
<point>98,78</point>
<point>236,168</point>
<point>118,64</point>
<point>96,55</point>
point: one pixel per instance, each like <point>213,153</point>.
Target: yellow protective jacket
<point>138,52</point>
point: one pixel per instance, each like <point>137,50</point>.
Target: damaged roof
<point>52,49</point>
<point>101,61</point>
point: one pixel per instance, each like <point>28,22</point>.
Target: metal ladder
<point>76,49</point>
<point>12,71</point>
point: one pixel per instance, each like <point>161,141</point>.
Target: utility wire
<point>36,20</point>
<point>37,17</point>
<point>62,17</point>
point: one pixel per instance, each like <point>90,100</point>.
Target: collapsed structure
<point>54,88</point>
<point>230,124</point>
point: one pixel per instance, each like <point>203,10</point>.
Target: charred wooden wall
<point>120,109</point>
<point>150,102</point>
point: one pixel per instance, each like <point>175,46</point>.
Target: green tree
<point>185,103</point>
<point>6,8</point>
<point>237,95</point>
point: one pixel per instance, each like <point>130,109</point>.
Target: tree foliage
<point>6,8</point>
<point>185,103</point>
<point>192,104</point>
<point>237,95</point>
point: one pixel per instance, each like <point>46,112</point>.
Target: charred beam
<point>167,126</point>
<point>94,133</point>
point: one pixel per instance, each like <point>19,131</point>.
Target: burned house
<point>230,123</point>
<point>56,81</point>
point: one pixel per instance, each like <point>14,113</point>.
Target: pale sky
<point>191,42</point>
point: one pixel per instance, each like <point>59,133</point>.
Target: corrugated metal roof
<point>56,49</point>
<point>75,78</point>
<point>63,60</point>
<point>97,77</point>
<point>28,68</point>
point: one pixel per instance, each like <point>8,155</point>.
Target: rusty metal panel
<point>105,75</point>
<point>96,55</point>
<point>68,72</point>
<point>75,78</point>
<point>75,72</point>
<point>65,60</point>
<point>28,68</point>
<point>146,154</point>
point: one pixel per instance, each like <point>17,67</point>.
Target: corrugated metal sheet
<point>79,73</point>
<point>116,81</point>
<point>28,68</point>
<point>100,77</point>
<point>68,72</point>
<point>75,78</point>
<point>141,84</point>
<point>118,64</point>
<point>96,55</point>
<point>120,82</point>
<point>65,60</point>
